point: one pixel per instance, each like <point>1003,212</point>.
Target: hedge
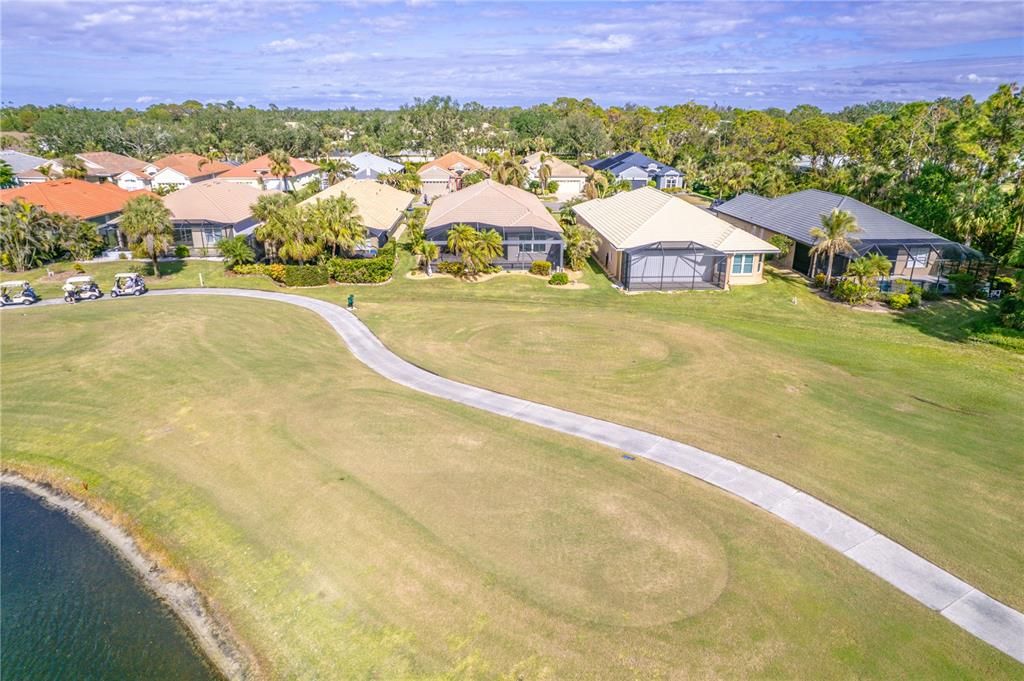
<point>559,279</point>
<point>305,275</point>
<point>363,270</point>
<point>541,267</point>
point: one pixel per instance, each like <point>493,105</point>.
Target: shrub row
<point>277,271</point>
<point>305,275</point>
<point>363,270</point>
<point>452,267</point>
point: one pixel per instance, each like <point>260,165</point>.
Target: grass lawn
<point>350,528</point>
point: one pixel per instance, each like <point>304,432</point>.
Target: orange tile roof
<point>260,167</point>
<point>449,160</point>
<point>188,165</point>
<point>79,198</point>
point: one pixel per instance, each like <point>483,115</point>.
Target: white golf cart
<point>17,292</point>
<point>81,287</point>
<point>128,284</point>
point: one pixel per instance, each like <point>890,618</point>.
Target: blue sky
<point>370,53</point>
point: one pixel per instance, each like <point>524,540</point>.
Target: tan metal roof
<point>647,216</point>
<point>559,168</point>
<point>490,203</point>
<point>379,205</point>
<point>226,203</point>
<point>110,163</point>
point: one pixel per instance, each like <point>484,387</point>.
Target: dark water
<point>70,609</point>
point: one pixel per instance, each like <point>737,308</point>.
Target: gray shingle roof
<point>796,214</point>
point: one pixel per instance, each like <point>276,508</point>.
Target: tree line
<point>953,166</point>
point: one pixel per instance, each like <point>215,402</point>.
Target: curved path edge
<point>969,608</point>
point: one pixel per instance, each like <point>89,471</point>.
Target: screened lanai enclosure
<point>673,266</point>
<point>922,261</point>
<point>521,246</point>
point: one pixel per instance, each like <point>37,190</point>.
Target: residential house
<point>916,253</point>
<point>528,231</point>
<point>106,166</point>
<point>26,167</point>
<point>206,212</point>
<point>181,170</point>
<point>381,208</point>
<point>444,175</point>
<point>257,173</point>
<point>650,240</point>
<point>413,156</point>
<point>569,178</point>
<point>100,204</point>
<point>639,170</point>
<point>367,166</point>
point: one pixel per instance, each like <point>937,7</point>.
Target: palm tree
<point>689,169</point>
<point>596,185</point>
<point>280,166</point>
<point>488,247</point>
<point>24,230</point>
<point>427,251</point>
<point>6,175</point>
<point>339,223</point>
<point>580,243</point>
<point>236,251</point>
<point>511,171</point>
<point>461,240</point>
<point>869,267</point>
<point>270,209</point>
<point>335,170</point>
<point>146,222</point>
<point>834,236</point>
<point>302,238</point>
<point>544,171</point>
<point>771,181</point>
<point>73,167</point>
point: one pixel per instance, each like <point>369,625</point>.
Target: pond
<point>71,609</point>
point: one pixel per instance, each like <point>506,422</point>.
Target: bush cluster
<point>305,275</point>
<point>375,270</point>
<point>965,285</point>
<point>276,271</point>
<point>181,251</point>
<point>1011,311</point>
<point>898,301</point>
<point>559,279</point>
<point>931,294</point>
<point>1005,284</point>
<point>540,267</point>
<point>851,292</point>
<point>452,267</point>
<point>819,280</point>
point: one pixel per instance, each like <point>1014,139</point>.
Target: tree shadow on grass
<point>951,320</point>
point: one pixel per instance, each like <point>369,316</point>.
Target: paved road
<point>957,601</point>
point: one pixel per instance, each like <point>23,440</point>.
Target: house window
<point>743,263</point>
<point>212,235</point>
<point>183,235</point>
<point>671,181</point>
<point>917,257</point>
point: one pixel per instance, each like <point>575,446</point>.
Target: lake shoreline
<point>213,638</point>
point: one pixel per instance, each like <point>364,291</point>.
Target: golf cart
<point>17,292</point>
<point>81,287</point>
<point>128,284</point>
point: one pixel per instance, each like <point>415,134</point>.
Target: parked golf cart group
<point>77,288</point>
<point>84,287</point>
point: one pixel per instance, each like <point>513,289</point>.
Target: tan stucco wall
<point>606,249</point>
<point>755,277</point>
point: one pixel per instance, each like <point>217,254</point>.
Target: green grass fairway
<point>350,528</point>
<point>887,417</point>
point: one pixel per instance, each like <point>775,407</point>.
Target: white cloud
<point>286,45</point>
<point>975,78</point>
<point>144,99</point>
<point>613,44</point>
<point>335,58</point>
<point>73,100</point>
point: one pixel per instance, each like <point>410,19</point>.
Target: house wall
<point>434,188</point>
<point>132,182</point>
<point>568,187</point>
<point>168,177</point>
<point>756,276</point>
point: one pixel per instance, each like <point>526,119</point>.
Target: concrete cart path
<point>957,601</point>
